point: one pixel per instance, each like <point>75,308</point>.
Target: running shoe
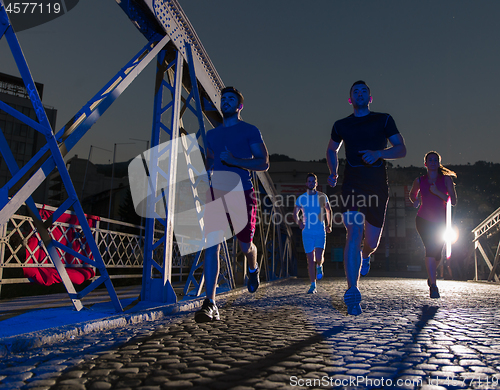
<point>207,313</point>
<point>312,289</point>
<point>253,281</point>
<point>352,299</point>
<point>319,272</point>
<point>434,291</point>
<point>365,266</point>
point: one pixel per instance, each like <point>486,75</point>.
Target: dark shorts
<point>365,190</point>
<point>246,235</point>
<point>431,234</point>
<point>217,220</point>
<point>372,206</point>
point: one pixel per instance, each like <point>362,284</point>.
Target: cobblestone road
<point>282,337</point>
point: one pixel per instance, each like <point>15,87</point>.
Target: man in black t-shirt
<point>365,190</point>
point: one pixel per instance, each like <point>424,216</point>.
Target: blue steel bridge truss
<point>187,79</point>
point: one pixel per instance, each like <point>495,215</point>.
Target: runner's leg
<point>352,253</point>
<point>211,270</point>
<point>311,266</point>
<point>319,256</point>
<point>371,240</point>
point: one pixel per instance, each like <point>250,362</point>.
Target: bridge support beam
<point>481,247</point>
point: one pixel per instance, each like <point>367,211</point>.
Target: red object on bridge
<point>70,236</point>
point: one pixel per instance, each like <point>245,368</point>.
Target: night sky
<point>432,65</point>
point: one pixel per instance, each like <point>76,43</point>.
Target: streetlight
<point>143,140</point>
<point>87,166</point>
<point>113,176</point>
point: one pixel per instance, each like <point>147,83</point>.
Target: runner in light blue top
<point>313,214</point>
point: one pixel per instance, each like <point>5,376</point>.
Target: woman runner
<point>430,193</point>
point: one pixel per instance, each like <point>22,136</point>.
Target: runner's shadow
<point>339,305</point>
<point>246,374</point>
<point>428,313</point>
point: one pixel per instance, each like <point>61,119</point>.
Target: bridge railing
<point>120,244</point>
<point>483,248</point>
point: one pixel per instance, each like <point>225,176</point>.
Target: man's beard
<point>229,114</point>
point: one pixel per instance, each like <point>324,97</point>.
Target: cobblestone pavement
<point>282,337</point>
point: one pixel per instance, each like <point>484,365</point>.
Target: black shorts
<point>366,190</point>
<point>431,234</point>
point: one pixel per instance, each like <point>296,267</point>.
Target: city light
<point>450,234</point>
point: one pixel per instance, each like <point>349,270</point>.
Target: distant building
<point>23,140</point>
<point>91,186</point>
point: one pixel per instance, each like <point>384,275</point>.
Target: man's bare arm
<point>332,158</point>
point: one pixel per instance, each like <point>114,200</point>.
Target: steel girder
<point>25,180</point>
<point>168,119</point>
<point>172,33</point>
<point>201,80</point>
<point>19,189</point>
<point>480,245</point>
